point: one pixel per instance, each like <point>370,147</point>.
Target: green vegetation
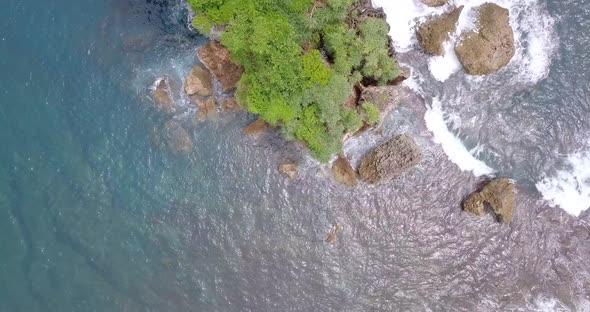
<point>301,60</point>
<point>372,113</point>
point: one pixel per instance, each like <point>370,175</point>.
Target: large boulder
<point>435,3</point>
<point>162,95</point>
<point>217,59</point>
<point>499,194</point>
<point>390,160</point>
<point>256,129</point>
<point>491,48</point>
<point>434,32</point>
<point>343,172</point>
<point>199,82</point>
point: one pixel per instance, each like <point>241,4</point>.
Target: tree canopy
<point>301,60</point>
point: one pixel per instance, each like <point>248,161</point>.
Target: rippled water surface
<point>97,217</point>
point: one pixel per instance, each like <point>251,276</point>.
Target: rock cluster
<point>481,52</point>
<point>499,194</point>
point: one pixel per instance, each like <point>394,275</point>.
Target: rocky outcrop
<point>435,3</point>
<point>343,172</point>
<point>176,138</point>
<point>217,59</point>
<point>207,108</point>
<point>162,95</point>
<point>434,32</point>
<point>334,233</point>
<point>289,169</point>
<point>256,129</point>
<point>386,98</point>
<point>390,160</point>
<point>199,82</point>
<point>499,194</point>
<point>491,48</point>
<point>230,105</point>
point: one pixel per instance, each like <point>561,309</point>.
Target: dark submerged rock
<point>390,160</point>
<point>435,3</point>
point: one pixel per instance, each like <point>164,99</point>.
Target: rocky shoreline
<point>387,161</point>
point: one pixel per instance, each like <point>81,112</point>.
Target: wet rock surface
<point>435,3</point>
<point>256,129</point>
<point>343,172</point>
<point>434,32</point>
<point>390,160</point>
<point>199,82</point>
<point>162,95</point>
<point>289,169</point>
<point>500,194</point>
<point>491,48</point>
<point>217,59</point>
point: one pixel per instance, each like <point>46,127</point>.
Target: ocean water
<point>96,216</point>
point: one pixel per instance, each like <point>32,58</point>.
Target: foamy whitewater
<point>569,188</point>
<point>536,45</point>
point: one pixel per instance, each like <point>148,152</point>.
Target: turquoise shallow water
<point>96,217</point>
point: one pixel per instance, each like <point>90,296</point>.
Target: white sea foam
<point>569,188</point>
<point>452,146</point>
<point>442,67</point>
<point>534,29</point>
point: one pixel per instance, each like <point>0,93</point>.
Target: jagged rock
<point>289,169</point>
<point>199,82</point>
<point>386,98</point>
<point>434,32</point>
<point>217,59</point>
<point>435,3</point>
<point>230,105</point>
<point>162,95</point>
<point>256,129</point>
<point>491,48</point>
<point>207,108</point>
<point>334,232</point>
<point>499,194</point>
<point>177,138</point>
<point>390,160</point>
<point>343,172</point>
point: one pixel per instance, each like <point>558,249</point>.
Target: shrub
<point>372,113</point>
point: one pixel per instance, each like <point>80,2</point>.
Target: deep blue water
<point>94,216</point>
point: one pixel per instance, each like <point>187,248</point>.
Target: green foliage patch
<point>301,60</point>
